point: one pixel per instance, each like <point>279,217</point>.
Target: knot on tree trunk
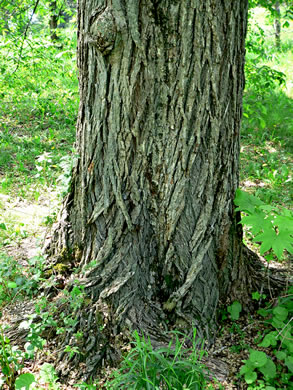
<point>103,30</point>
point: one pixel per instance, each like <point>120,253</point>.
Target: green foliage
<point>49,376</point>
<point>234,310</point>
<point>24,381</point>
<point>38,109</point>
<point>258,362</point>
<point>257,296</point>
<point>86,386</point>
<point>173,367</point>
<point>262,369</point>
<point>67,163</point>
<point>17,280</point>
<point>272,226</point>
<point>266,72</point>
<point>11,360</point>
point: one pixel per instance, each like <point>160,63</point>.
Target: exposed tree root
<point>266,277</point>
<point>105,336</point>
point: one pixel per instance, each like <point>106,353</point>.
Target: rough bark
<point>150,216</point>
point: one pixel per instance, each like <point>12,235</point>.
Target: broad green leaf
<point>257,222</point>
<point>281,355</point>
<point>289,363</point>
<point>250,377</point>
<point>269,369</point>
<point>277,323</point>
<point>269,339</point>
<point>256,295</point>
<point>11,285</point>
<point>281,313</point>
<point>268,208</point>
<point>29,348</point>
<point>258,358</point>
<point>24,381</point>
<point>289,344</point>
<point>48,373</point>
<point>244,369</point>
<point>284,223</point>
<point>234,310</point>
<point>263,312</point>
<point>246,202</point>
<point>278,242</point>
<point>283,241</point>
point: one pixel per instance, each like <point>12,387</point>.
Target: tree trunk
<point>277,25</point>
<point>53,23</point>
<point>150,216</point>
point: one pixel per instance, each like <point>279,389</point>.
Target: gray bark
<point>277,24</point>
<point>150,216</point>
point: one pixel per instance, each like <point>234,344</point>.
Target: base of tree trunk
<point>105,334</point>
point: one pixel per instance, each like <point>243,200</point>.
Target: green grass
<point>170,367</point>
<point>38,109</point>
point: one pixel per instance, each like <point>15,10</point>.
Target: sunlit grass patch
<point>38,110</point>
<point>20,219</point>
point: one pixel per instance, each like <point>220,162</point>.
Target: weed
<point>274,371</point>
<point>270,225</point>
<point>11,360</point>
<point>234,310</point>
<point>17,280</point>
<point>165,368</point>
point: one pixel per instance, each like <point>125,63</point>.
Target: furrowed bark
<point>150,216</point>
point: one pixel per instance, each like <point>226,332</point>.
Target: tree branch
<point>25,34</point>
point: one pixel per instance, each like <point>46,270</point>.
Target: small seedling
<point>234,310</point>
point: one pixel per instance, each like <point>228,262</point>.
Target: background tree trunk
<point>53,23</point>
<point>277,24</point>
<point>150,215</point>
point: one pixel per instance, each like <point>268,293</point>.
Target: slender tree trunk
<point>150,216</point>
<point>277,25</point>
<point>53,23</point>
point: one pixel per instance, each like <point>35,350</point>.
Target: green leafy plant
<point>17,280</point>
<point>24,381</point>
<point>49,376</point>
<point>257,296</point>
<point>258,361</point>
<point>172,367</point>
<point>86,386</point>
<point>234,310</point>
<point>270,225</point>
<point>276,372</point>
<point>11,360</point>
<point>67,163</point>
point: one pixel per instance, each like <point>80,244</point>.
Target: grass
<point>38,109</point>
<point>169,367</point>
